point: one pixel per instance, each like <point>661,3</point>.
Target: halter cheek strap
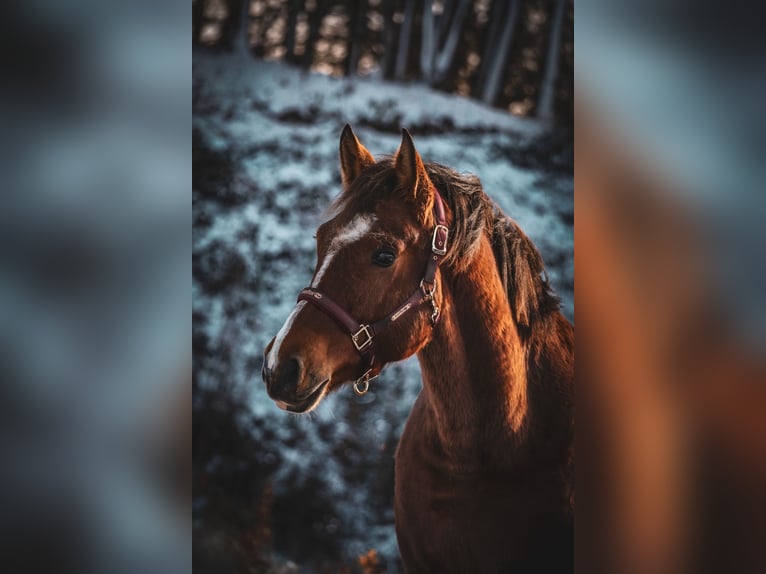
<point>363,335</point>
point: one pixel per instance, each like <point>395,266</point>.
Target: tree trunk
<point>293,7</point>
<point>445,18</point>
<point>499,55</point>
<point>404,39</point>
<point>441,33</point>
<point>496,15</point>
<point>428,42</point>
<point>548,87</point>
<point>446,53</point>
<point>315,22</point>
<point>356,25</point>
<point>237,28</point>
<point>389,39</point>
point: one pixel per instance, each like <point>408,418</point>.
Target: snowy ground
<point>265,140</point>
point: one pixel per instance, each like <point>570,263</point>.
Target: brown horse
<point>417,259</point>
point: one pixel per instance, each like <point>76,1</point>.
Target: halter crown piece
<point>363,335</point>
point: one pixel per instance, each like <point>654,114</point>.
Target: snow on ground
<point>265,140</point>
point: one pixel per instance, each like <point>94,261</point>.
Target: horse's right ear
<point>354,157</point>
<point>413,178</point>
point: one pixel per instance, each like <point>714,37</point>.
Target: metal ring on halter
<point>362,384</point>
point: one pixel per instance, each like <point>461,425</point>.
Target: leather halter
<point>363,335</point>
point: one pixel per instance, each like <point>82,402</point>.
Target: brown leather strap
<point>331,308</point>
<point>414,301</point>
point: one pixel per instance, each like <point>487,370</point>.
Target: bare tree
<point>496,13</point>
<point>496,53</point>
<point>389,39</point>
<point>293,7</point>
<point>236,28</point>
<point>550,75</point>
<point>404,39</point>
<point>315,21</point>
<point>442,28</point>
<point>357,18</point>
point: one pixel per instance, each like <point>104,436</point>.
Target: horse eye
<point>384,258</point>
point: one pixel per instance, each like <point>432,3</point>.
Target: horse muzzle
<point>283,385</point>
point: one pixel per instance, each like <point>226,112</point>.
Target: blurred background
<point>94,287</point>
<point>671,277</point>
<point>514,55</point>
<point>94,271</point>
<point>484,87</point>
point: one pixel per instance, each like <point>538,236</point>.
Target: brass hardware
<point>362,384</point>
<point>439,249</point>
<point>363,330</point>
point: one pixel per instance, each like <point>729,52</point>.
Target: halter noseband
<point>363,335</point>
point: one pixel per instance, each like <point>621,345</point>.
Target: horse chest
<point>456,523</point>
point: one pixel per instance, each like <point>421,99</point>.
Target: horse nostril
<point>287,378</point>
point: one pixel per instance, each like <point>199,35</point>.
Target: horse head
<point>375,294</point>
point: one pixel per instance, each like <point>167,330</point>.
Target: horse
<point>416,259</point>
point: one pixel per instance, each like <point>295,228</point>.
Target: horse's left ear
<point>413,179</point>
<point>354,157</point>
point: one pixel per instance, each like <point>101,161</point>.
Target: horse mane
<point>519,262</point>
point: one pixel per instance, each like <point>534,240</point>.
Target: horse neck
<point>474,369</point>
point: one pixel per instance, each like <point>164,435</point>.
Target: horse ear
<point>354,157</point>
<point>413,178</point>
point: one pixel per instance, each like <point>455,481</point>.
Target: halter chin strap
<point>363,335</point>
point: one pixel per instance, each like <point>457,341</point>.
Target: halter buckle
<point>362,346</point>
<point>362,384</point>
<point>439,240</point>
